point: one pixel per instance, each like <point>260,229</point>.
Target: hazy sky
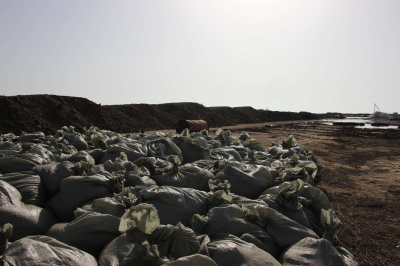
<point>317,56</point>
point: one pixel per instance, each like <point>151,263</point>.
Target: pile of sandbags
<point>101,197</point>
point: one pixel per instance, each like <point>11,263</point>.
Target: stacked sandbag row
<point>182,199</point>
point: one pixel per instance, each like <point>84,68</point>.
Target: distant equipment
<point>192,125</point>
<point>379,114</point>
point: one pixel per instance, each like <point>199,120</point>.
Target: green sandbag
<point>254,144</point>
<point>133,150</point>
<point>29,185</point>
<point>80,156</point>
<point>133,179</point>
<point>34,158</point>
<point>89,231</point>
<point>77,190</point>
<point>11,164</point>
<point>192,260</point>
<point>313,201</point>
<point>44,250</point>
<point>52,174</point>
<point>247,180</point>
<point>5,234</point>
<point>175,204</point>
<point>229,250</point>
<point>163,148</point>
<point>152,242</point>
<point>34,137</point>
<point>232,219</point>
<point>316,252</point>
<point>192,149</point>
<point>284,231</point>
<point>76,140</point>
<point>286,201</point>
<point>221,195</point>
<point>26,219</point>
<point>187,176</point>
<point>289,142</point>
<point>155,165</point>
<point>225,137</point>
<point>115,206</point>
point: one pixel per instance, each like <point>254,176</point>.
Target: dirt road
<point>361,178</point>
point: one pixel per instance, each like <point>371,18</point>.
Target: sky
<point>310,55</point>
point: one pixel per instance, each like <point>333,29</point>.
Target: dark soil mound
<point>47,113</point>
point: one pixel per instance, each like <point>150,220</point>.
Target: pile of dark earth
<point>47,113</point>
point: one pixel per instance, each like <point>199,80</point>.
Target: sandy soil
<point>361,178</point>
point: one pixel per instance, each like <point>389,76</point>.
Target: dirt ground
<point>361,178</point>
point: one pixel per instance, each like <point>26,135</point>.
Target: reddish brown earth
<point>48,113</point>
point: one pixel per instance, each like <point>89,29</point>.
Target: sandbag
<point>209,164</point>
<point>316,196</point>
<point>44,250</point>
<point>214,144</point>
<point>192,149</point>
<point>52,174</point>
<point>192,260</point>
<point>11,164</point>
<point>77,190</point>
<point>26,219</point>
<point>119,163</point>
<point>97,154</point>
<point>143,137</point>
<point>175,204</point>
<point>286,201</point>
<point>221,196</point>
<point>133,150</point>
<point>254,144</point>
<point>34,158</point>
<point>246,180</point>
<point>133,179</point>
<point>289,142</point>
<point>116,251</point>
<point>116,205</point>
<point>29,185</point>
<point>231,152</point>
<point>150,242</point>
<point>5,234</point>
<point>232,219</point>
<point>33,137</point>
<point>316,252</point>
<point>284,231</point>
<point>80,156</point>
<point>313,201</point>
<point>229,250</point>
<point>225,137</point>
<point>293,173</point>
<point>76,140</point>
<point>10,146</point>
<point>89,231</point>
<point>155,165</point>
<point>106,205</point>
<point>40,150</point>
<point>163,148</point>
<point>184,176</point>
